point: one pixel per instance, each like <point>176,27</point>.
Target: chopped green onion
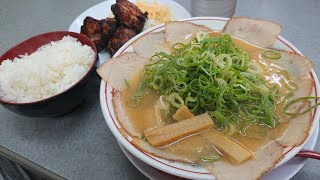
<point>271,54</point>
<point>143,138</point>
<point>285,97</point>
<point>292,102</point>
<point>210,159</point>
<point>254,68</point>
<point>291,85</point>
<point>175,100</point>
<point>230,129</point>
<point>127,83</point>
<point>135,100</point>
<point>212,74</point>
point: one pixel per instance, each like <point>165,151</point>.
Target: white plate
<point>103,10</point>
<point>284,172</point>
<point>176,168</point>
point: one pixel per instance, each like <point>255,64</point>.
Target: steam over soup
<point>213,99</point>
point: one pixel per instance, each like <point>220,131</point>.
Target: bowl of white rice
<point>47,75</point>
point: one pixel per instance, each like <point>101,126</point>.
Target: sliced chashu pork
<point>263,161</point>
<point>259,32</point>
<point>121,68</point>
<point>182,32</point>
<point>116,72</point>
<point>144,146</point>
<point>296,64</point>
<point>299,68</point>
<point>298,129</point>
<point>149,44</point>
<point>123,118</point>
<point>299,126</point>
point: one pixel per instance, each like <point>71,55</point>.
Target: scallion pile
<point>212,74</point>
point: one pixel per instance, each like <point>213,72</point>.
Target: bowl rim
<point>155,161</point>
<point>67,33</point>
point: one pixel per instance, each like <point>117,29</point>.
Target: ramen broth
<point>193,148</point>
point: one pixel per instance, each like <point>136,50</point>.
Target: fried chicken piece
<point>119,38</point>
<point>108,26</point>
<point>92,29</point>
<point>98,31</point>
<point>129,15</point>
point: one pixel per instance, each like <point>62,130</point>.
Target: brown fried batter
<point>99,31</point>
<point>119,38</point>
<point>92,29</point>
<point>108,26</point>
<point>112,33</point>
<point>129,15</point>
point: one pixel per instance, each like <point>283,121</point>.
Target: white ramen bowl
<point>176,168</point>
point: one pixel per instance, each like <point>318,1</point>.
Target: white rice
<point>50,70</point>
